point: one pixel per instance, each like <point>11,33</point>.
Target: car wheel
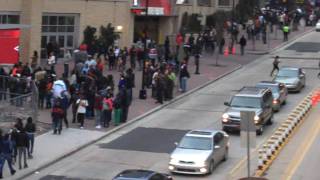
<point>225,129</point>
<point>270,121</point>
<point>284,102</point>
<point>260,131</point>
<point>211,167</point>
<point>226,154</point>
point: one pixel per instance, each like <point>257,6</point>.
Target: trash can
<point>117,116</point>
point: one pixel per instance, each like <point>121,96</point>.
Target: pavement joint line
<point>263,168</point>
<point>194,90</point>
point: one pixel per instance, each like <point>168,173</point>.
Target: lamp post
<point>143,91</point>
<point>232,28</point>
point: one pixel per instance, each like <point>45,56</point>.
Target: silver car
<point>293,78</point>
<point>279,93</point>
<point>199,152</point>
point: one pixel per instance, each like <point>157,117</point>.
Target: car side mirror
<point>226,103</point>
<point>216,147</point>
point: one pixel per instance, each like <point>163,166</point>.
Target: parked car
<point>254,99</point>
<point>293,78</point>
<point>139,174</point>
<point>199,152</point>
<point>279,93</point>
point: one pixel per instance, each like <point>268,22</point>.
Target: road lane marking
<point>301,153</point>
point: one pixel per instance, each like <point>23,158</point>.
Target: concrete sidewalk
<point>50,148</point>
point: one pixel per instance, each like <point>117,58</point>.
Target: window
<point>224,3</point>
<point>60,29</point>
<point>57,23</point>
<point>9,19</point>
<point>204,2</point>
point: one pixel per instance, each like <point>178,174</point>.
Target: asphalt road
<point>147,143</point>
<point>300,158</point>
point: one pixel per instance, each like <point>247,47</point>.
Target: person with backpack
<point>57,115</point>
<point>107,107</point>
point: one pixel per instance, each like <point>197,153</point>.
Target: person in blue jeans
<point>5,154</point>
<point>184,76</point>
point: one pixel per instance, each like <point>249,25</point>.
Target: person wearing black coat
<point>124,104</point>
<point>22,143</point>
<point>30,130</point>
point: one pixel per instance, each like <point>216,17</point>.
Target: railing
<point>15,103</point>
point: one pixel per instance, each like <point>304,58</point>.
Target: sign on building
<point>9,40</point>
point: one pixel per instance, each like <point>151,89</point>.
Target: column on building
<point>31,14</point>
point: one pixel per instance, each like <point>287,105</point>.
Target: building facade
<point>63,21</point>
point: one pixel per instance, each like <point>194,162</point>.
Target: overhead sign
<point>9,43</point>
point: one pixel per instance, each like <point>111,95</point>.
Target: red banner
<point>9,46</point>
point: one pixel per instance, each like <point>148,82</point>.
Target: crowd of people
<point>16,144</point>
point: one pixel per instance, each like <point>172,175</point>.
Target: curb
<point>129,123</point>
<point>273,146</point>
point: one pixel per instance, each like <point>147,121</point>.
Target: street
<point>147,143</point>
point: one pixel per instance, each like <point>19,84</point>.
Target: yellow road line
<point>302,151</point>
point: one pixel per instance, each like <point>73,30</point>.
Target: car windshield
<point>288,73</point>
<point>274,89</point>
<point>199,143</point>
<point>247,102</point>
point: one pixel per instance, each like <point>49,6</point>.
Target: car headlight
<point>174,161</point>
<point>201,163</point>
<point>275,101</point>
<point>225,116</point>
<point>256,119</point>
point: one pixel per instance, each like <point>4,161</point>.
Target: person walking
<point>243,43</point>
<point>22,146</point>
<point>30,130</point>
<point>275,65</point>
<point>57,115</point>
<point>82,106</point>
<point>6,154</point>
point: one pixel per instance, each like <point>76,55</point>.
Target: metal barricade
<point>18,99</point>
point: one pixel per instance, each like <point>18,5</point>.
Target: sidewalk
<point>51,148</point>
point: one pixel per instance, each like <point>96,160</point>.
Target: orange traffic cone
<point>226,51</point>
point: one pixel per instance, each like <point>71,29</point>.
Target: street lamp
<point>143,91</point>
